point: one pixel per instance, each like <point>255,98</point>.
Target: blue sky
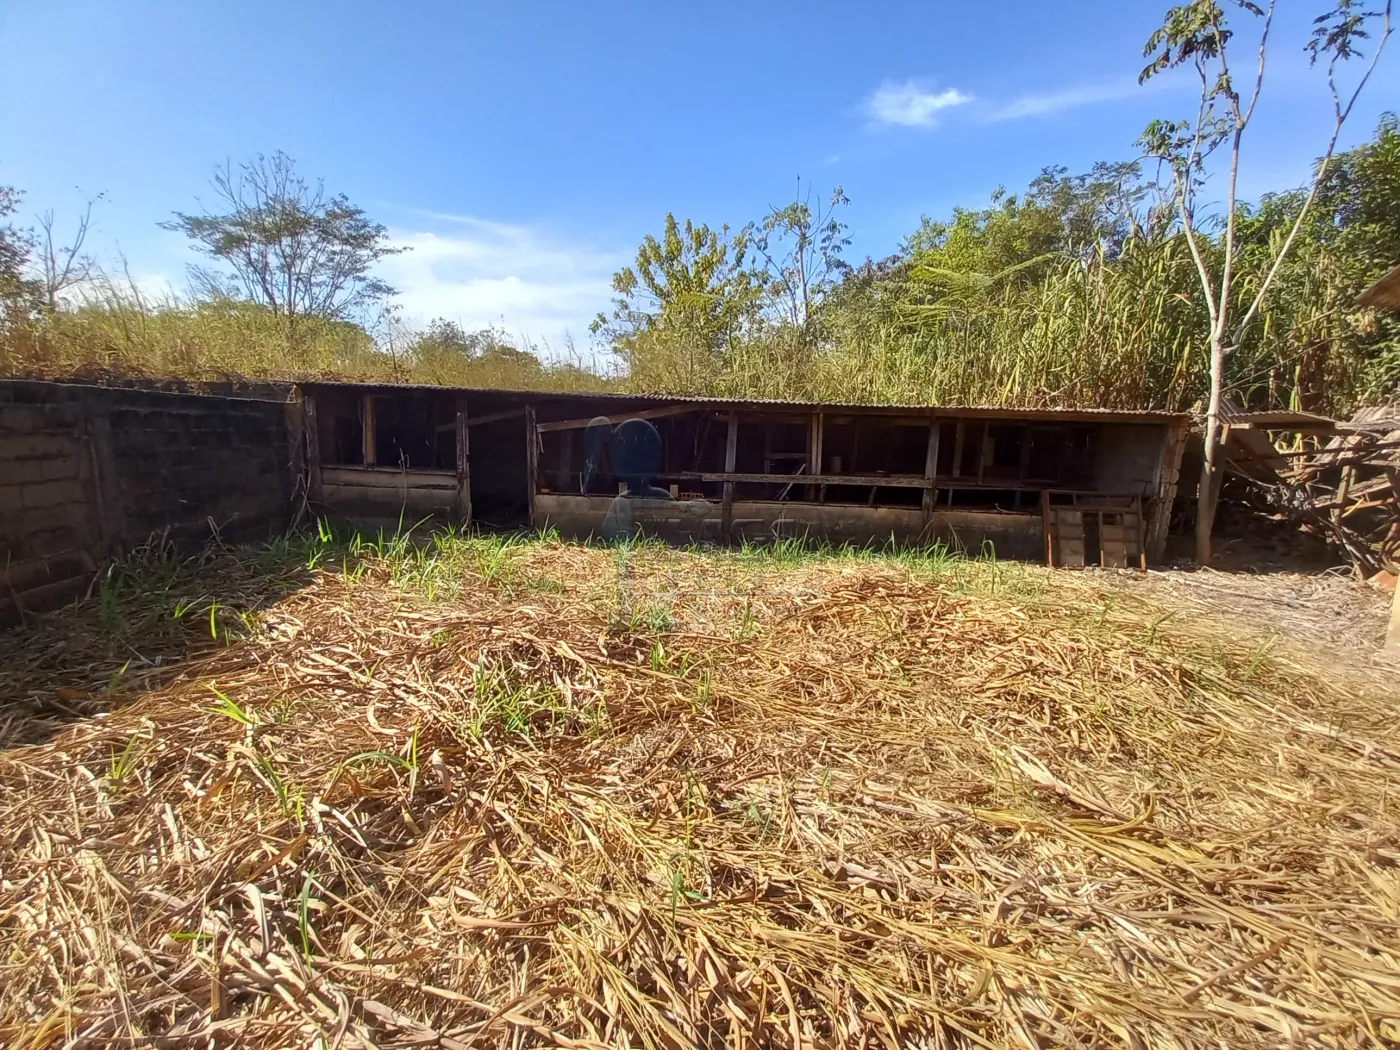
<point>523,149</point>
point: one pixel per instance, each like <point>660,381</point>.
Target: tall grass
<point>116,327</point>
<point>1122,332</point>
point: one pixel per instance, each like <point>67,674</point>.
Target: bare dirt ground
<point>1326,620</point>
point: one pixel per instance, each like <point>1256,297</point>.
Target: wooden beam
<point>930,469</point>
<point>893,481</point>
<point>367,429</point>
<point>464,470</point>
<point>532,460</point>
<point>496,417</point>
<point>981,453</point>
<point>958,440</point>
<point>649,413</point>
<point>731,455</point>
<point>313,450</point>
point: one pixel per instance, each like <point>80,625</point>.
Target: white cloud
<point>538,287</point>
<point>1039,104</point>
<point>911,105</point>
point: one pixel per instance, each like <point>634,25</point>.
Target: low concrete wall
<point>88,472</point>
<point>1012,535</point>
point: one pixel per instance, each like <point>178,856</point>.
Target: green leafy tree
<point>286,244</point>
<point>801,246</point>
<point>19,295</point>
<point>1200,37</point>
<point>681,305</point>
<point>445,353</point>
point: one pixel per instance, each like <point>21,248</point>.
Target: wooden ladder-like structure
<point>1087,528</point>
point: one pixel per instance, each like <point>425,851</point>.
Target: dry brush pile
<point>558,795</point>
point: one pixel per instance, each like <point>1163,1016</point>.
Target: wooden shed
<point>1068,486</point>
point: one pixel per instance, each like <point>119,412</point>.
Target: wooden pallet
<point>1082,532</point>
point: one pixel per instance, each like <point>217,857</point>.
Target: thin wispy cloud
<point>481,273</point>
<point>912,105</point>
<point>1045,103</point>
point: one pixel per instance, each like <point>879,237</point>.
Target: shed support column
<point>1159,509</point>
<point>930,471</point>
<point>313,450</point>
<point>814,454</point>
<point>367,428</point>
<point>731,456</point>
<point>464,470</point>
<point>532,460</point>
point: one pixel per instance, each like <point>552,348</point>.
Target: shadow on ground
<point>141,623</point>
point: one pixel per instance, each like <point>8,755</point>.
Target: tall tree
<point>1198,35</point>
<point>678,308</point>
<point>64,264</point>
<point>801,246</point>
<point>286,243</point>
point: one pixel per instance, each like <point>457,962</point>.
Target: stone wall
<point>88,472</point>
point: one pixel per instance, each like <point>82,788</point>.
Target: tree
<point>801,247</point>
<point>1199,35</point>
<point>63,265</point>
<point>290,246</point>
<point>681,304</point>
<point>18,293</point>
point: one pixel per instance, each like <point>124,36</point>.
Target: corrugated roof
<point>1277,418</point>
<point>1104,414</point>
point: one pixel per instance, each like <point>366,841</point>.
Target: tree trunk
<point>1213,463</point>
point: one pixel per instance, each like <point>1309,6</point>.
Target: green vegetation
<point>1115,287</point>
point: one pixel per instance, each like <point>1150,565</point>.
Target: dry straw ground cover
<point>471,793</point>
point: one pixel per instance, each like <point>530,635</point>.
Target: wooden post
<point>731,458</point>
<point>313,450</point>
<point>981,451</point>
<point>464,470</point>
<point>958,440</point>
<point>532,459</point>
<point>1048,527</point>
<point>814,453</point>
<point>931,470</point>
<point>367,429</point>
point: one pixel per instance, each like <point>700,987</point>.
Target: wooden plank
<point>982,453</point>
<point>930,469</point>
<point>348,497</point>
<point>367,429</point>
<point>464,470</point>
<point>731,455</point>
<point>532,460</point>
<point>893,481</point>
<point>958,439</point>
<point>313,450</point>
<point>389,478</point>
<point>649,413</point>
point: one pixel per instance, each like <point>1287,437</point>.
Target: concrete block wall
<point>87,473</point>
